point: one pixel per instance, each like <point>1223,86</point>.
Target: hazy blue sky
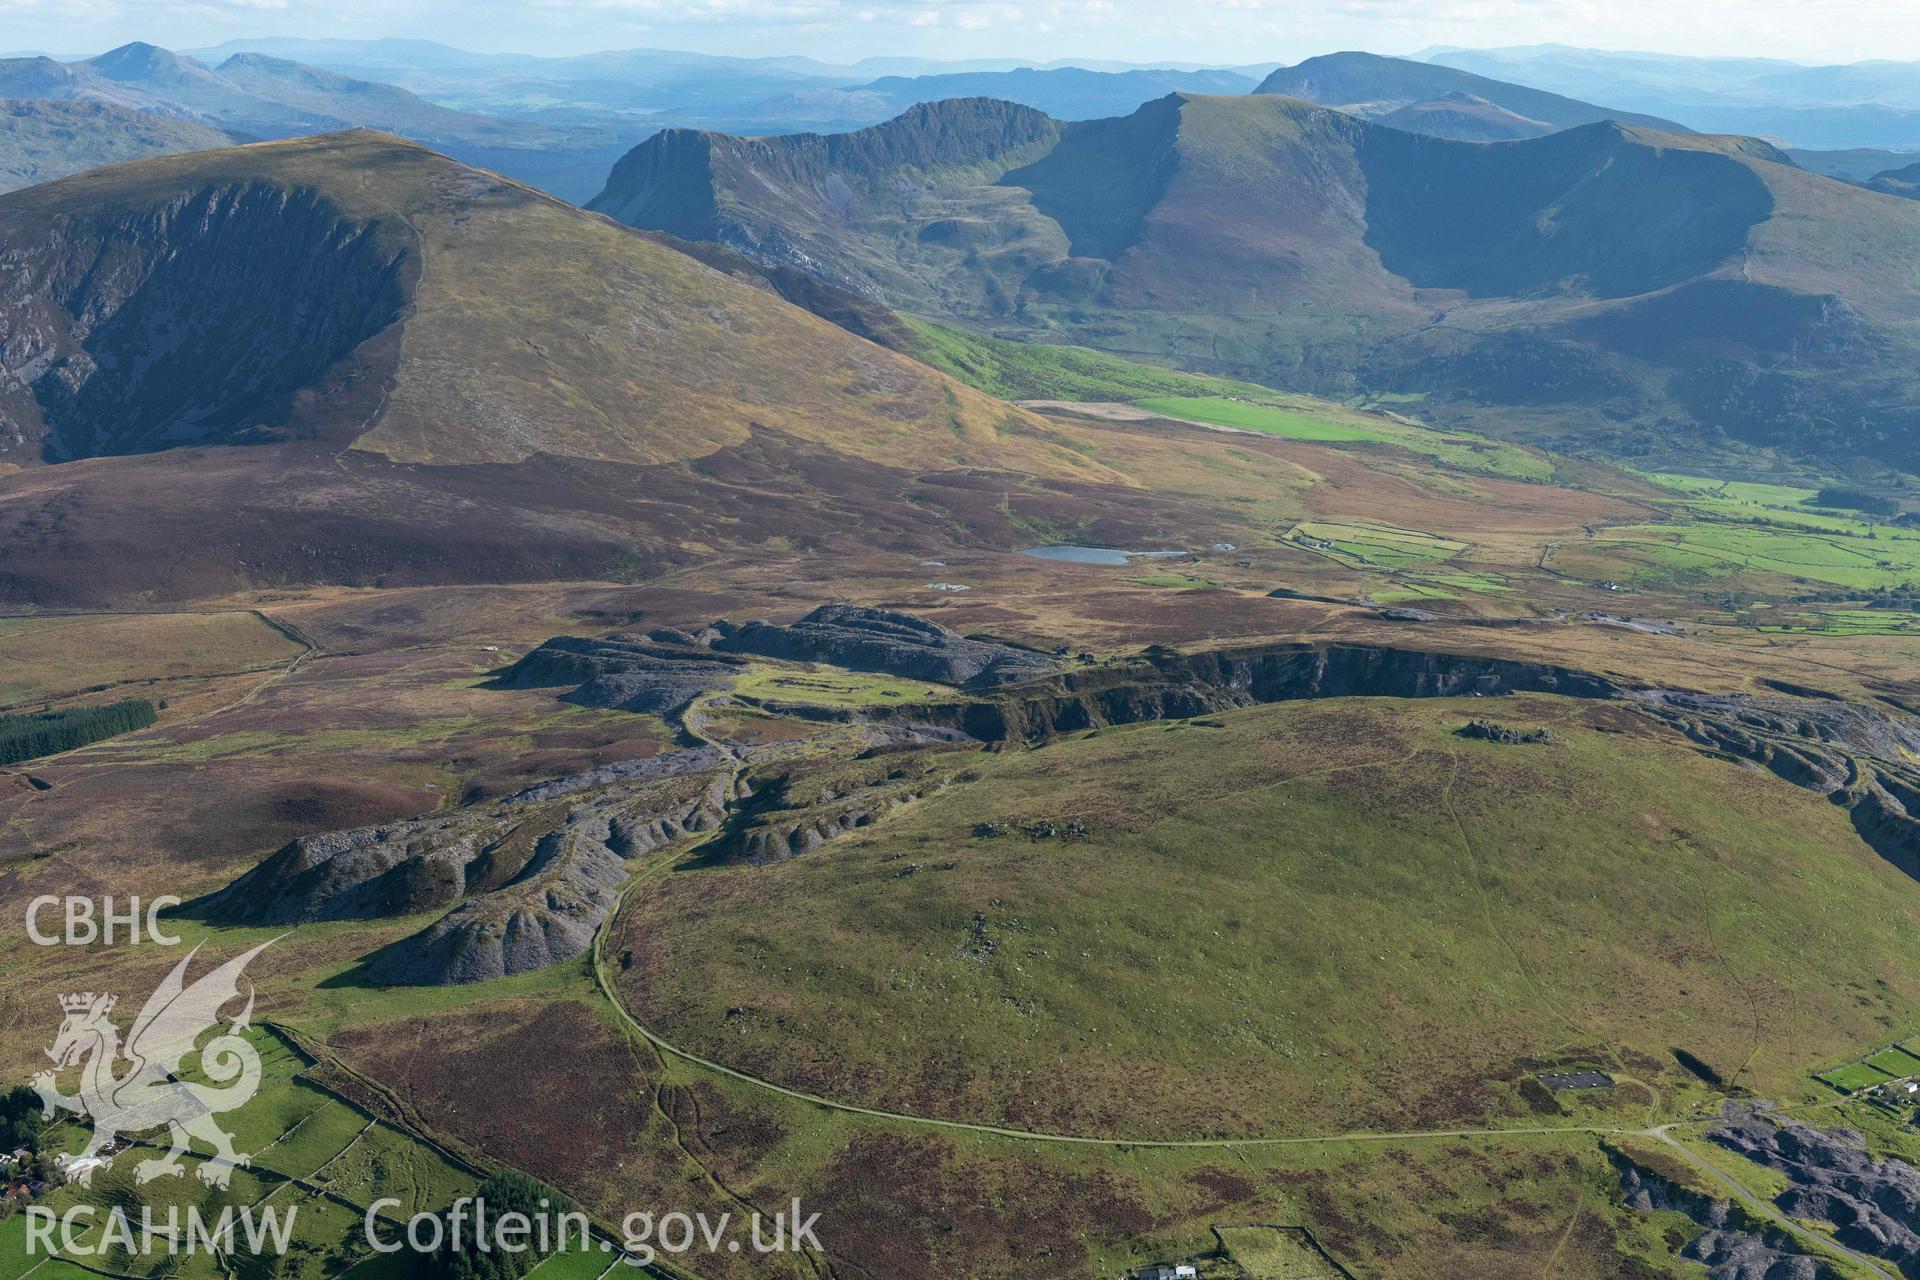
<point>1226,31</point>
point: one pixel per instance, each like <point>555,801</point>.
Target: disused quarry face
<point>1165,685</point>
<point>527,880</point>
<point>115,321</point>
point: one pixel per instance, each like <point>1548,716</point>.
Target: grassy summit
<point>1307,918</point>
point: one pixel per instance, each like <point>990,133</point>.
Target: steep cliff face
<point>818,203</point>
<point>1165,686</point>
<point>883,640</point>
<point>194,321</point>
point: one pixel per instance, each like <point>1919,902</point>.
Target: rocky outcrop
<point>1732,1247</point>
<point>528,878</point>
<point>630,675</point>
<point>1810,741</point>
<point>1165,685</point>
<point>429,863</point>
<point>790,812</point>
<point>1506,735</point>
<point>1874,1205</point>
<point>550,912</point>
<point>896,644</point>
<point>368,874</point>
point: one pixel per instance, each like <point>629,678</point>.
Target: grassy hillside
<point>1305,918</point>
<point>1046,371</point>
<point>1466,118</point>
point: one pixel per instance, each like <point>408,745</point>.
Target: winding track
<point>1661,1133</point>
<point>1765,1210</point>
<point>662,864</point>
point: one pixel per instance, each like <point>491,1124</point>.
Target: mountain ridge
<point>487,384</point>
<point>1303,247</point>
<point>257,96</point>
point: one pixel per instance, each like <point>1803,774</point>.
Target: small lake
<point>1094,555</point>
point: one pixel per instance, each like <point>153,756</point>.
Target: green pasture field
<point>1895,1062</point>
<point>1048,371</point>
<point>1705,550</point>
<point>1383,545</point>
<point>1853,1078</point>
<point>1337,425</point>
<point>580,1264</point>
<point>1259,417</point>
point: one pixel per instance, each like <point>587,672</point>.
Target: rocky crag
<point>1874,1205</point>
<point>525,881</point>
<point>1162,684</point>
<point>790,811</point>
<point>660,676</point>
<point>1731,1247</point>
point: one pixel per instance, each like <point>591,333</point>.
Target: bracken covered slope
<point>473,380</point>
<point>503,323</point>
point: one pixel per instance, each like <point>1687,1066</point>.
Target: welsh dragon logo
<point>149,1094</point>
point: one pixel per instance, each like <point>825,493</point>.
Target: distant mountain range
<point>251,95</point>
<point>1867,104</point>
<point>1601,285</point>
<point>42,140</point>
<point>1455,103</point>
<point>1066,93</point>
<point>393,55</point>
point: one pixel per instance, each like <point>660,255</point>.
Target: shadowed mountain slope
<point>1593,283</point>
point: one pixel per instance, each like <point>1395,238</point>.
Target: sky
<point>1214,31</point>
